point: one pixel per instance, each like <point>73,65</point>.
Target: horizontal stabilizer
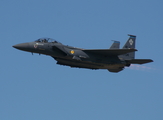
<point>139,61</point>
<point>109,52</point>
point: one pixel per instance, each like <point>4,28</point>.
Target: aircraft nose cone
<point>22,46</point>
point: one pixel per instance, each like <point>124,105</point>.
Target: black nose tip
<point>15,46</point>
<point>21,46</point>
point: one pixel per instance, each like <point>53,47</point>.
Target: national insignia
<point>72,52</point>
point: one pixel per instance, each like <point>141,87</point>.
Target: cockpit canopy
<point>47,40</point>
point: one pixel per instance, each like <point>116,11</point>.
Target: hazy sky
<point>33,87</point>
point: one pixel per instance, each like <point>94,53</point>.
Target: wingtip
<point>132,49</point>
<point>135,49</point>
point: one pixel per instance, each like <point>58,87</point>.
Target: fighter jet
<point>113,59</point>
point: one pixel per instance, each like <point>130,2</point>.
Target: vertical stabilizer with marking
<point>130,44</point>
<point>115,45</point>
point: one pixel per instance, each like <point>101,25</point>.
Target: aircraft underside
<point>90,65</point>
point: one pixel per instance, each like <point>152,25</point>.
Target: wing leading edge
<point>110,52</point>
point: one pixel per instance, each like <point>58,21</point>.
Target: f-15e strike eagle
<point>113,59</point>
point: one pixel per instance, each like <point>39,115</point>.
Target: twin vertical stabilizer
<point>115,45</point>
<point>130,44</point>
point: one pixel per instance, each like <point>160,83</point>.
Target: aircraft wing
<point>109,52</point>
<point>139,61</point>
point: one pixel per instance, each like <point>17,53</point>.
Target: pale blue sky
<point>33,87</point>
